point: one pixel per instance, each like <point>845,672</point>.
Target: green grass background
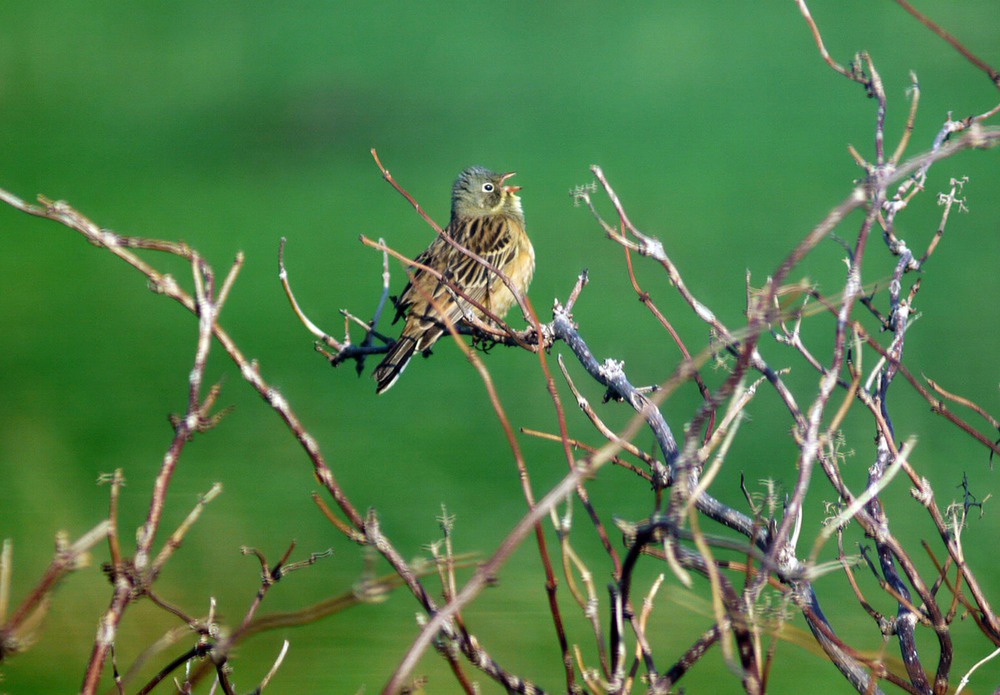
<point>229,125</point>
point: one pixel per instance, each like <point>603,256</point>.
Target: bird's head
<point>479,192</point>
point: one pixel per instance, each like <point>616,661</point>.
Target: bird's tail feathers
<point>394,363</point>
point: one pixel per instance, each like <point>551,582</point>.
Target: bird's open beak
<point>509,189</point>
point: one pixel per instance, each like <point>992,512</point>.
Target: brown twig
<point>991,72</point>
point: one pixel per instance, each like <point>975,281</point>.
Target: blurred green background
<point>229,125</point>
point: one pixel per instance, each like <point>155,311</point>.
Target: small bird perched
<point>486,219</point>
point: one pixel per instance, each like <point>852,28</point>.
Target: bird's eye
<point>488,187</point>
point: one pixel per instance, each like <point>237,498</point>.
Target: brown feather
<point>430,305</point>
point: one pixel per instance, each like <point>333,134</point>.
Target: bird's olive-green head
<point>479,192</point>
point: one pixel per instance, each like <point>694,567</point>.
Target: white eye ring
<point>487,187</point>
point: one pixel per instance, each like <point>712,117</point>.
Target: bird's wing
<point>490,239</point>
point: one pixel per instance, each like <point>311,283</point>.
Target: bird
<point>486,219</point>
